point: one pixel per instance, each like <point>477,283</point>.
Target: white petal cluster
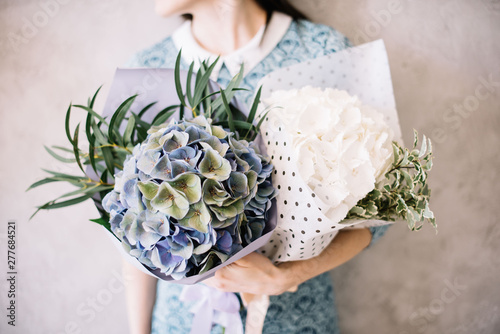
<point>342,147</point>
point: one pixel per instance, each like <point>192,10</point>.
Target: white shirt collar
<point>250,54</point>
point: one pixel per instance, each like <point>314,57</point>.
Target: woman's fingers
<point>253,273</point>
<point>212,281</point>
<point>250,260</point>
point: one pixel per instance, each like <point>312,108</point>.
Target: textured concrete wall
<point>443,53</point>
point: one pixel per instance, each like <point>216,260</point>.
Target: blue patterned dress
<point>311,309</point>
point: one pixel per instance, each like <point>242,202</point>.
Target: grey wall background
<point>442,53</point>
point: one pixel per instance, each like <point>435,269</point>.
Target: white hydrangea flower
<point>342,146</point>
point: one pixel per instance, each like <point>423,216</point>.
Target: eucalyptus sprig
<point>111,139</point>
<point>107,149</point>
<point>405,193</point>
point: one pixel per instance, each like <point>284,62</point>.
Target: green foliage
<point>404,194</point>
<point>216,105</point>
<point>108,146</point>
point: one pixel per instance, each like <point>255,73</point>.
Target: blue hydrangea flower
<point>190,196</point>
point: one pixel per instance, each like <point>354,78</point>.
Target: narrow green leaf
<point>188,86</point>
<point>140,122</point>
<point>33,215</point>
<point>76,151</point>
<point>53,205</point>
<point>91,111</point>
<point>68,176</point>
<point>91,104</point>
<point>58,205</point>
<point>203,82</point>
<point>199,74</point>
<point>118,116</point>
<point>104,178</point>
<point>220,110</point>
<point>99,136</point>
<point>228,111</point>
<point>90,136</point>
<point>129,130</point>
<point>72,193</point>
<point>44,181</point>
<point>230,89</point>
<point>65,149</point>
<point>165,114</point>
<point>205,102</point>
<point>206,97</point>
<point>92,159</point>
<point>177,79</point>
<point>88,128</point>
<point>253,111</point>
<point>146,108</point>
<point>163,118</point>
<point>89,190</point>
<point>181,111</point>
<point>107,154</point>
<point>58,157</point>
<point>75,182</point>
<point>255,104</point>
<point>102,222</point>
<point>66,124</point>
<point>142,133</point>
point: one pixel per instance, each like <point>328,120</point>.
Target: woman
<point>263,35</point>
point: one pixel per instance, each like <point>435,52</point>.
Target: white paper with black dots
<point>303,231</point>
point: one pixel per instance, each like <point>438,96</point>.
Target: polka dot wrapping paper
<point>303,231</point>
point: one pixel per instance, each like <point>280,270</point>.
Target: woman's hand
<point>253,274</point>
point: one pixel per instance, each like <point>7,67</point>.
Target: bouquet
<point>181,197</point>
<point>339,168</point>
<point>340,162</point>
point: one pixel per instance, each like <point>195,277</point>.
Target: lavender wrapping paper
<point>260,242</point>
